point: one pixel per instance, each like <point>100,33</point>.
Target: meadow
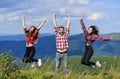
<point>13,68</point>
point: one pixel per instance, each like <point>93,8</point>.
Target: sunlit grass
<point>110,69</point>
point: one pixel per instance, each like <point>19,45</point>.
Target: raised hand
<point>54,15</point>
<point>23,17</point>
<point>81,16</point>
<point>54,20</point>
<point>23,21</point>
<point>44,20</point>
<point>68,15</point>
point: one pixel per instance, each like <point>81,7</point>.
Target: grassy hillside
<point>109,70</point>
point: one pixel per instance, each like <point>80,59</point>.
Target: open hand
<point>68,15</point>
<point>54,14</point>
<point>23,17</point>
<point>81,16</point>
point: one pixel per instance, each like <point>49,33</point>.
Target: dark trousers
<point>87,56</point>
<point>29,54</point>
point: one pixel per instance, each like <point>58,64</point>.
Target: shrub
<point>7,64</point>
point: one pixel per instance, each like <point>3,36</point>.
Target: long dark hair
<point>28,32</point>
<point>95,29</point>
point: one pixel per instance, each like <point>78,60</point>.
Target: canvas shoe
<point>39,62</point>
<point>33,64</point>
<point>98,64</point>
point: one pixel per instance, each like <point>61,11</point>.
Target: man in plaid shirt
<point>61,44</point>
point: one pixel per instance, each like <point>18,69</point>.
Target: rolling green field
<point>110,69</point>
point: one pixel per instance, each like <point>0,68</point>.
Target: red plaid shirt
<point>30,39</point>
<point>61,41</point>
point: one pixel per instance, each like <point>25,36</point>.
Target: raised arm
<point>68,22</point>
<point>43,22</point>
<point>54,20</point>
<point>23,21</point>
<point>83,25</point>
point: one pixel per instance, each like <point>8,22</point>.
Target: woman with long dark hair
<point>90,36</point>
<point>31,38</point>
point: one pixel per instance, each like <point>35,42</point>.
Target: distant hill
<point>12,37</point>
<point>114,36</point>
<point>46,45</point>
<point>18,37</point>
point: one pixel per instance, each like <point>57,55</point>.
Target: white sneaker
<point>98,64</point>
<point>92,66</point>
<point>33,64</point>
<point>39,62</point>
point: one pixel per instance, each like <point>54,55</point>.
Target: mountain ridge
<point>114,36</point>
<point>46,46</point>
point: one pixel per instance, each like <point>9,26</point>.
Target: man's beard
<point>61,33</point>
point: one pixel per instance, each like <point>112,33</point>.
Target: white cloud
<point>13,13</point>
<point>78,11</point>
<point>62,10</point>
<point>71,1</point>
<point>36,20</point>
<point>83,1</point>
<point>117,23</point>
<point>95,16</point>
<point>30,10</point>
<point>3,9</point>
<point>28,23</point>
<point>1,19</point>
<point>12,18</point>
<point>79,1</point>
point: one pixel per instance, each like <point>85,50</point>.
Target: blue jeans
<point>60,57</point>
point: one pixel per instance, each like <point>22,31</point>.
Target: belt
<point>61,52</point>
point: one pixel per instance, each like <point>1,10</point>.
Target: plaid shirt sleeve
<point>25,29</point>
<point>83,27</point>
<point>67,31</point>
<point>56,30</point>
<point>97,37</point>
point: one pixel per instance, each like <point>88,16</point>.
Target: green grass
<point>110,70</point>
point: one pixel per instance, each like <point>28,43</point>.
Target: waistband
<point>30,47</point>
<point>61,52</point>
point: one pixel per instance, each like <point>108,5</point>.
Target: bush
<point>7,64</point>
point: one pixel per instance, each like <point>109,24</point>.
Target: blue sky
<point>103,13</point>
